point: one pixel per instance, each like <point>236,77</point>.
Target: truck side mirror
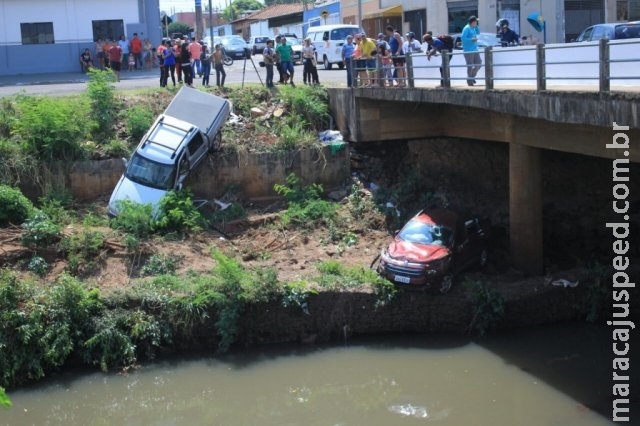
<point>125,163</point>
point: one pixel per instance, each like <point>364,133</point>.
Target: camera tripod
<point>247,54</point>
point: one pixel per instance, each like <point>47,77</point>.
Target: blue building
<point>47,36</point>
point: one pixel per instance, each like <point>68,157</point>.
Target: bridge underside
<point>373,117</point>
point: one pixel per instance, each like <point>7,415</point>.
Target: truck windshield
<point>149,173</point>
<point>421,233</point>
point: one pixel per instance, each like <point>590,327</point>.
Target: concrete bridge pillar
<point>525,208</point>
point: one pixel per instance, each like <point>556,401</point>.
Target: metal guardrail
<point>541,64</point>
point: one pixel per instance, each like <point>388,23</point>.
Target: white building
<point>42,36</point>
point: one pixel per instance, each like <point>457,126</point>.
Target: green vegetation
<point>40,231</point>
<point>305,207</point>
<point>4,399</point>
<point>103,99</point>
<point>83,251</point>
<point>159,264</point>
<point>52,128</point>
<point>15,208</point>
<point>139,118</point>
<point>487,305</point>
<point>337,277</point>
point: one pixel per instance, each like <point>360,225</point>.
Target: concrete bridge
<point>528,120</point>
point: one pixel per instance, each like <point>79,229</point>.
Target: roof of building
<point>276,10</point>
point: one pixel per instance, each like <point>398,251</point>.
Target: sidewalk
<point>67,77</point>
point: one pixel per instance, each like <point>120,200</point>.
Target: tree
<point>239,6</point>
<point>179,27</point>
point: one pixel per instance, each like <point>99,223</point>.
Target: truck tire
<point>215,144</point>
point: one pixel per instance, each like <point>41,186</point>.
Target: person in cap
<point>347,58</point>
<point>411,45</point>
<point>508,37</point>
<point>470,34</point>
<point>382,42</point>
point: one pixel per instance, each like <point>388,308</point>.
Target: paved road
<point>66,83</point>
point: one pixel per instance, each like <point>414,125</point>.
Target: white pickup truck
<point>176,144</point>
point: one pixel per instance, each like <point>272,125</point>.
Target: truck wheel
<point>341,65</point>
<point>484,256</point>
<point>215,145</point>
<point>447,282</point>
<point>375,263</point>
<point>326,64</point>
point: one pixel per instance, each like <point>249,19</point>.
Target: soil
<point>259,240</point>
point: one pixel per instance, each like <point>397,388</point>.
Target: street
<point>241,71</point>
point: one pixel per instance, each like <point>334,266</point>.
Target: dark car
<point>432,248</point>
<point>235,47</point>
<point>612,31</point>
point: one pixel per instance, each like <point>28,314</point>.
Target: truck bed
<point>206,111</point>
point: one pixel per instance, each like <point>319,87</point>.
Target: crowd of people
<point>368,62</point>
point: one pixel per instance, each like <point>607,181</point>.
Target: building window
<point>459,13</point>
<point>108,30</point>
<point>37,33</point>
<point>510,10</point>
<point>627,10</point>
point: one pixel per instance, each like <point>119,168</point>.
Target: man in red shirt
<point>115,59</point>
<point>135,45</point>
<point>196,50</point>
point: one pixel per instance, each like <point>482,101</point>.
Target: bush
<point>159,264</point>
<point>305,205</point>
<point>15,208</point>
<point>310,103</point>
<point>101,91</point>
<point>52,128</point>
<point>83,250</point>
<point>178,213</point>
<point>139,118</point>
<point>41,327</point>
<point>134,218</point>
<point>40,231</point>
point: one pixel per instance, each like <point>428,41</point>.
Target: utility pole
<point>199,32</point>
<point>210,24</point>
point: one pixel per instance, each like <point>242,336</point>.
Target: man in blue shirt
<point>435,46</point>
<point>469,37</point>
<point>347,59</point>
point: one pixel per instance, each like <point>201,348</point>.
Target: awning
<point>385,13</point>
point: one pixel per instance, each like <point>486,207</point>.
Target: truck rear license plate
<point>401,279</point>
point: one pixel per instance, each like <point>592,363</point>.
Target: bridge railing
<point>590,63</point>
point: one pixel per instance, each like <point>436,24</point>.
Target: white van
<point>328,41</point>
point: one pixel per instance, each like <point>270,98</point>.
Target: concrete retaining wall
<point>254,174</point>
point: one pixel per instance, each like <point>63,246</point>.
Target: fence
<point>591,63</point>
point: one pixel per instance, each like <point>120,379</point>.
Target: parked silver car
<point>257,44</point>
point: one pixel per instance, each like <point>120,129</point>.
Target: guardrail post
<point>409,68</point>
<point>488,68</point>
<point>446,70</point>
<point>541,68</point>
<point>605,69</point>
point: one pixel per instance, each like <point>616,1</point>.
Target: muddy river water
<point>557,375</point>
